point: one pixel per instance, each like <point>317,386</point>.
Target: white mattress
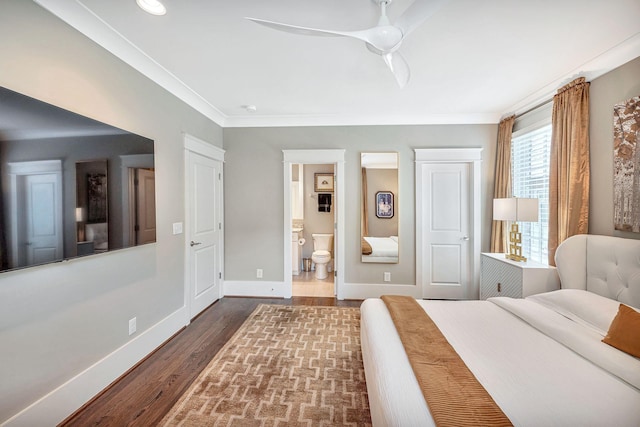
<point>536,380</point>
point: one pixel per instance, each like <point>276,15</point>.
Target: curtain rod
<point>535,107</point>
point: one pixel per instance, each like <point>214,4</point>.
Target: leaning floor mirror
<point>379,207</point>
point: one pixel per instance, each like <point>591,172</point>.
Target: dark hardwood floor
<point>146,393</point>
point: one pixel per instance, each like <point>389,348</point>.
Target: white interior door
<point>448,219</point>
<point>446,230</point>
<point>43,219</point>
<point>204,236</point>
<point>145,206</point>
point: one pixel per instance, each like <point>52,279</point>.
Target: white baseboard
<point>239,288</point>
<point>366,290</point>
<point>264,289</point>
<point>61,402</point>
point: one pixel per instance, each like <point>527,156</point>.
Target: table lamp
<point>515,209</point>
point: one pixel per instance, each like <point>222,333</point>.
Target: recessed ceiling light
<point>250,108</point>
<point>153,7</point>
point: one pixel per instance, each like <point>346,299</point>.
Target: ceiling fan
<point>384,39</point>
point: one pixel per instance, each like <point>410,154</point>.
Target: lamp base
<point>515,249</point>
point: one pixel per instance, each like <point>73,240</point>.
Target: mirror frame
<point>382,244</point>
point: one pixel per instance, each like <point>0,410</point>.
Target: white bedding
<point>383,249</point>
<point>568,378</point>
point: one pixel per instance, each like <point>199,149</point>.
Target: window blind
<point>530,153</point>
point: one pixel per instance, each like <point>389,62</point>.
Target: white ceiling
<point>473,61</point>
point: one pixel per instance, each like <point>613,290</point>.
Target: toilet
<point>321,256</point>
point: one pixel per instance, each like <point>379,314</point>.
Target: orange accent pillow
<point>624,332</point>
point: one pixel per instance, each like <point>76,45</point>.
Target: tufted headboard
<point>605,265</point>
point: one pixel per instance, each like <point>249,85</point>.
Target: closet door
<point>204,231</point>
<point>447,223</point>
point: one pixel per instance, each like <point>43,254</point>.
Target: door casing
<point>472,157</point>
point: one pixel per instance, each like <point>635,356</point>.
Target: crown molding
<point>609,60</point>
<point>84,20</point>
<point>359,120</point>
<point>88,23</point>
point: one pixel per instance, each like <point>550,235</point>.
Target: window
<point>530,153</point>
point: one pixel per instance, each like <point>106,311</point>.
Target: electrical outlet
<point>132,326</point>
<point>387,276</point>
<point>259,273</point>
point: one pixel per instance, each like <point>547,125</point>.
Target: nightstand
<point>501,277</point>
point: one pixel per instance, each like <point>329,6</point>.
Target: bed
<point>380,249</point>
<point>540,358</point>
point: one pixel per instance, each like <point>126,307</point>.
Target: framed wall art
<point>626,165</point>
<point>97,198</point>
<point>384,204</point>
<point>323,183</point>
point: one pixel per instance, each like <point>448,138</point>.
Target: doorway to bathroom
<point>313,223</point>
<point>313,217</point>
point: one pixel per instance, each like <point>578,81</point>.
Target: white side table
<point>501,277</point>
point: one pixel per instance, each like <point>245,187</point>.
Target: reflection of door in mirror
<point>145,195</point>
<point>379,212</point>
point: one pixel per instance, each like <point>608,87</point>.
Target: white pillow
<point>589,309</point>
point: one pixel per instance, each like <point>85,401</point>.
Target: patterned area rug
<point>285,366</point>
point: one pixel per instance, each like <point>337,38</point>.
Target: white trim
<point>265,289</point>
<point>590,70</point>
<point>58,404</point>
<point>359,120</point>
<point>532,127</point>
<point>448,155</point>
<point>314,157</point>
<point>472,156</point>
<point>204,148</point>
<point>362,291</point>
<point>84,20</point>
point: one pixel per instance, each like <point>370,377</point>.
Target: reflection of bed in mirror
<point>98,233</point>
<point>380,249</point>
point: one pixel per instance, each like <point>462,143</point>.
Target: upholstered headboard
<point>605,265</point>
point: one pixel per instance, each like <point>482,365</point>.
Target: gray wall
<point>616,86</point>
<point>254,178</point>
<point>58,320</point>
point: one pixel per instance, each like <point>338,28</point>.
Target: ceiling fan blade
<point>398,67</point>
<point>416,14</point>
<point>306,31</point>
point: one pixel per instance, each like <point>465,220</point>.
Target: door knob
<point>195,243</point>
<point>465,238</point>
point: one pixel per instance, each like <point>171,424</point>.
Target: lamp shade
<point>515,209</point>
<point>79,214</point>
<point>504,209</point>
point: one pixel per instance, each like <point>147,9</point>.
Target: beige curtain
<point>502,186</point>
<point>569,166</point>
<point>364,210</point>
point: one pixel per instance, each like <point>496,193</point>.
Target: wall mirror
<point>379,207</point>
<point>71,186</point>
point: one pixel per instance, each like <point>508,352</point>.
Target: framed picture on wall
<point>384,204</point>
<point>97,198</point>
<point>323,183</point>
